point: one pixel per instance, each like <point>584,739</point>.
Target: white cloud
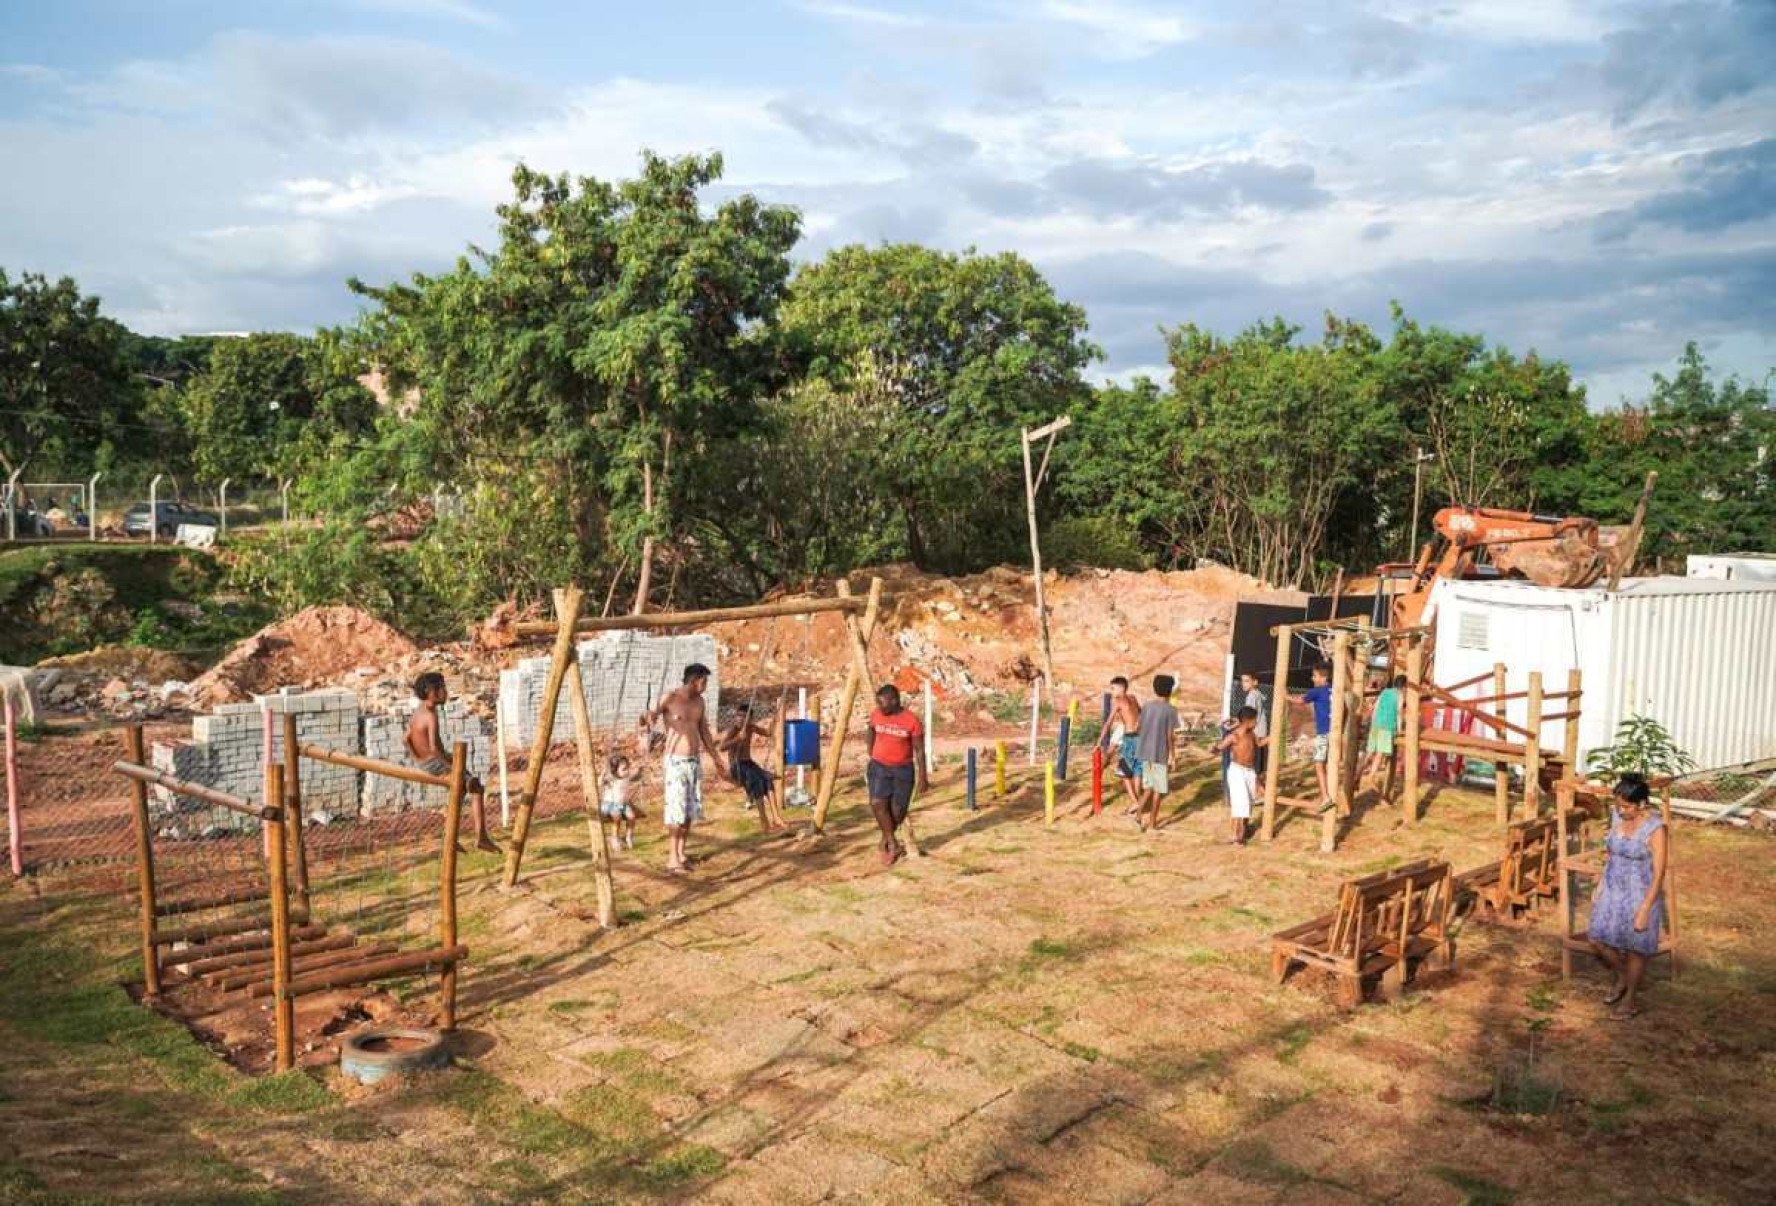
<point>1544,21</point>
<point>1119,28</point>
<point>447,10</point>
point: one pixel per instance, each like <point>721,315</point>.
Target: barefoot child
<point>1383,725</point>
<point>1119,732</point>
<point>425,745</point>
<point>896,744</point>
<point>1242,744</point>
<point>1320,696</point>
<point>1155,736</point>
<point>618,804</point>
<point>754,780</point>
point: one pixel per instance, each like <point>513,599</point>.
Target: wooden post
<point>1501,773</point>
<point>132,747</point>
<point>829,774</point>
<point>1563,802</point>
<point>1569,744</point>
<point>283,1005</point>
<point>539,747</point>
<point>597,828</point>
<point>1279,725</point>
<point>1033,483</point>
<point>293,808</point>
<point>15,837</point>
<point>1357,684</point>
<point>1668,889</point>
<point>1414,704</point>
<point>1335,754</point>
<point>499,751</point>
<point>459,766</point>
<point>1532,750</point>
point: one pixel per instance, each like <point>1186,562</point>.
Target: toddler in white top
<point>618,803</point>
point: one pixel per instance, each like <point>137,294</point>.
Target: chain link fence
<point>1734,795</point>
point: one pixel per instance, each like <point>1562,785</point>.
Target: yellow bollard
<point>1073,713</point>
<point>999,768</point>
<point>1048,793</point>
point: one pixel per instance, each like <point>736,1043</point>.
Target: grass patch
<point>631,916</point>
<point>1253,1160</point>
<point>690,1162</point>
<point>1090,1055</point>
<point>1293,1041</point>
<point>1476,1191</point>
<point>1543,998</point>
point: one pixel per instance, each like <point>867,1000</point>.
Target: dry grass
<point>1080,1013</point>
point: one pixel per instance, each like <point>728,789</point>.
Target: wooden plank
<point>198,904</point>
<point>196,791</point>
<point>207,954</point>
<point>373,766</point>
<point>256,978</point>
<point>690,619</point>
<point>216,965</point>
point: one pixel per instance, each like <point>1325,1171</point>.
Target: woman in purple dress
<point>1629,906</point>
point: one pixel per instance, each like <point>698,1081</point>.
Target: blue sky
<point>1596,181</point>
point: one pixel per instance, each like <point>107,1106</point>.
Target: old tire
<point>377,1052</point>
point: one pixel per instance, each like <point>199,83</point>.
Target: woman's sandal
<point>1625,1015</point>
<point>1616,994</point>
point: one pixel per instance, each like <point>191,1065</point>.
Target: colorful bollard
<point>999,770</point>
<point>1097,780</point>
<point>1061,749</point>
<point>972,807</point>
<point>1048,793</point>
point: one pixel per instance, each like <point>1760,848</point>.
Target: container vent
<point>1472,631</point>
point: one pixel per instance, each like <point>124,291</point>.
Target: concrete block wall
<point>226,752</point>
<point>624,673</point>
<point>385,738</point>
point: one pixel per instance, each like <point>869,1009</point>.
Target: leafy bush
<point>1642,746</point>
<point>1092,541</point>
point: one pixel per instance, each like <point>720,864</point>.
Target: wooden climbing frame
<point>564,666</point>
<point>1510,743</point>
<point>281,953</point>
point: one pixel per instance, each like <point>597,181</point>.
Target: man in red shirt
<point>896,743</point>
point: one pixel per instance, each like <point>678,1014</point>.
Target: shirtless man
<point>425,745</point>
<point>1119,734</point>
<point>687,736</point>
<point>754,780</point>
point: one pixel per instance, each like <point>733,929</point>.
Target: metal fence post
<point>154,507</point>
<point>92,505</point>
<point>222,497</point>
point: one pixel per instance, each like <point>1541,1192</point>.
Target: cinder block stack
<point>624,673</point>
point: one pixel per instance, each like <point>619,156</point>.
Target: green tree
<point>268,404</point>
<point>65,383</point>
<point>616,334</point>
<point>963,350</point>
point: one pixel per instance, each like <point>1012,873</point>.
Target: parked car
<point>168,517</point>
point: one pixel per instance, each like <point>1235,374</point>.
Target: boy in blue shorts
<point>1320,696</point>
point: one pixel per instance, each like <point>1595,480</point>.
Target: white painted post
<point>930,761</point>
<point>154,517</point>
<point>1035,710</point>
<point>222,495</point>
<point>284,498</point>
<point>92,506</point>
<point>499,727</point>
<point>12,505</point>
<point>802,714</point>
<point>1227,708</point>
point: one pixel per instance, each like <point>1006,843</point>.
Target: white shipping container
<point>1696,654</point>
<point>1749,567</point>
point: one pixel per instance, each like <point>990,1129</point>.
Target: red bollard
<point>1097,780</point>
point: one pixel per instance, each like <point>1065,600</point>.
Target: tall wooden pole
<point>1336,753</point>
<point>1279,723</point>
<point>1569,744</point>
<point>597,829</point>
<point>283,1004</point>
<point>829,773</point>
<point>1629,548</point>
<point>1501,772</point>
<point>1532,750</point>
<point>1563,803</point>
<point>1414,704</point>
<point>1032,483</point>
<point>293,808</point>
<point>132,746</point>
<point>860,640</point>
<point>562,655</point>
<point>459,759</point>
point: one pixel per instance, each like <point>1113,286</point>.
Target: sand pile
<point>314,647</point>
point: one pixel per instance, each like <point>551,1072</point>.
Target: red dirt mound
<point>312,647</point>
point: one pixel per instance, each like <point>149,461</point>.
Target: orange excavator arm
<point>1549,550</point>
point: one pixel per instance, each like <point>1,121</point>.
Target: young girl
<point>619,795</point>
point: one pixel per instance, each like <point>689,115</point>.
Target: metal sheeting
<point>1703,665</point>
<point>1698,656</point>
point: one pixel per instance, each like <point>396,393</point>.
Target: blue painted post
<point>971,772</point>
<point>1061,753</point>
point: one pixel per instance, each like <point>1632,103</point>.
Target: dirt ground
<point>1032,1014</point>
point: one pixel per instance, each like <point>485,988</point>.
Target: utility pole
<point>1033,483</point>
<point>1419,459</point>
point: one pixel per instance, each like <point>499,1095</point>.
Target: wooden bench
<point>1527,871</point>
<point>1384,925</point>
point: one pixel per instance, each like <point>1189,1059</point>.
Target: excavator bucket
<point>1568,561</point>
